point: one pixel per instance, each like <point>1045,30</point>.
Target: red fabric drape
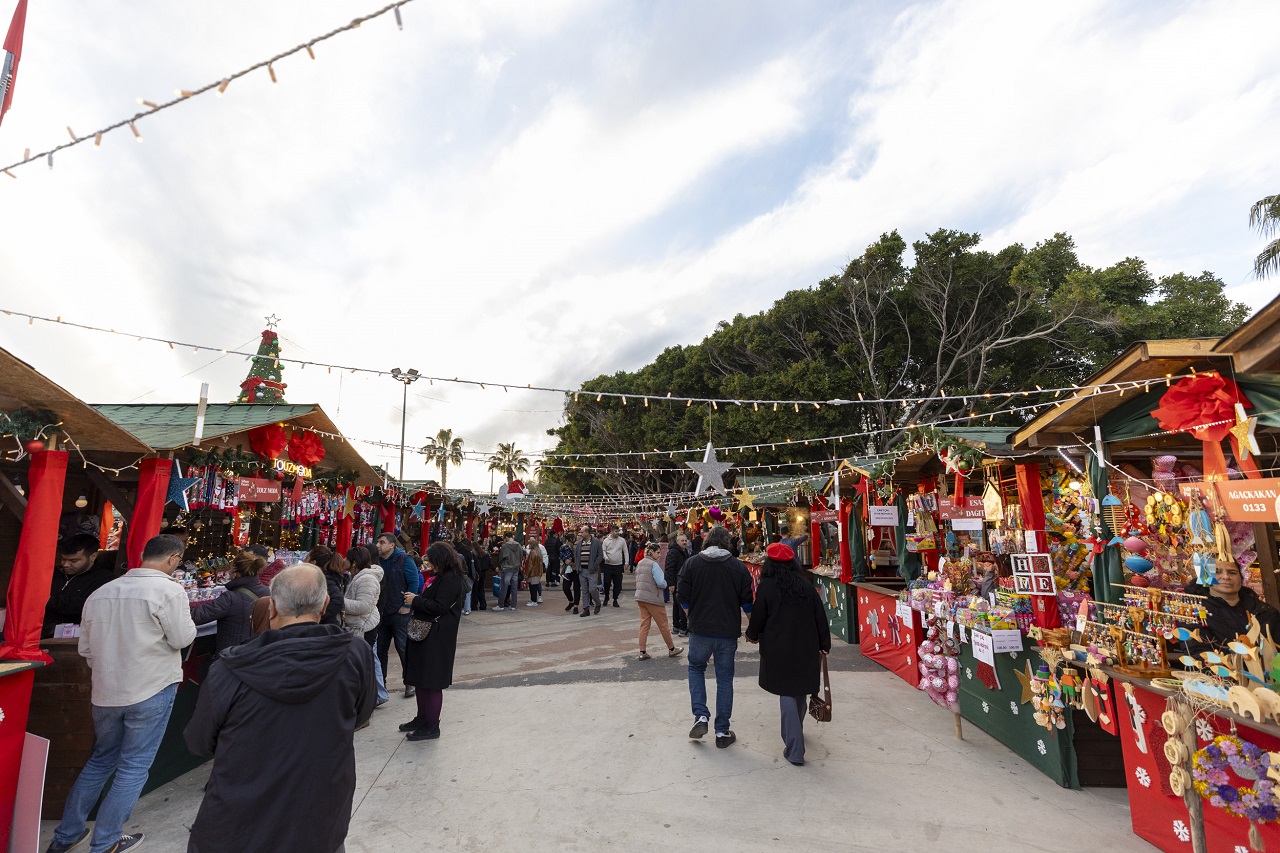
<point>37,550</point>
<point>343,538</point>
<point>388,513</point>
<point>153,492</point>
<point>104,526</point>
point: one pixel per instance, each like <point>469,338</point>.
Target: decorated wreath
<point>1255,802</point>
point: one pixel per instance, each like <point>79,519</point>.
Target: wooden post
<point>959,730</point>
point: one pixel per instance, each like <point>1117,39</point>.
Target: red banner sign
<point>948,510</point>
<point>819,516</point>
<point>257,491</point>
<point>1250,500</point>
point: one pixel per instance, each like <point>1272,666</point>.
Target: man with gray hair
<point>131,634</point>
<point>296,693</point>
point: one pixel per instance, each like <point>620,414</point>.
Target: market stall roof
<point>21,385</point>
<point>1255,345</point>
<point>1075,417</point>
<point>167,426</point>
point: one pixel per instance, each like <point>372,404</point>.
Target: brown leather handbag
<point>820,706</point>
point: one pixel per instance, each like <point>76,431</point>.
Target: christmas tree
<point>263,384</point>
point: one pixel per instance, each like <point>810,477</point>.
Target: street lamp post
<point>408,377</point>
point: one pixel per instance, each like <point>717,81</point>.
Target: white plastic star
<point>710,471</point>
<point>272,321</point>
<point>483,508</point>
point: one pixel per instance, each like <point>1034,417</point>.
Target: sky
<point>544,192</point>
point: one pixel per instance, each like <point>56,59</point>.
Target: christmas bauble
<point>35,445</point>
<point>953,681</point>
<point>279,476</point>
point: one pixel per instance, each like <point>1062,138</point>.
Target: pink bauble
<point>926,659</point>
<point>936,648</point>
<point>1134,545</point>
<point>952,697</point>
<point>932,633</point>
<point>953,681</point>
<point>938,683</point>
<point>953,666</point>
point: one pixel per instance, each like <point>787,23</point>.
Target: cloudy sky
<point>543,192</point>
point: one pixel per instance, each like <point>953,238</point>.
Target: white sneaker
<point>532,604</point>
<point>496,609</point>
<point>466,613</point>
<point>539,599</point>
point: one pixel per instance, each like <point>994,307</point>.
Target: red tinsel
<point>267,441</point>
<point>306,448</point>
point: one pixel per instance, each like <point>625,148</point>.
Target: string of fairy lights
<point>219,87</point>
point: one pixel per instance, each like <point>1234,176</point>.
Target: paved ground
<point>556,738</point>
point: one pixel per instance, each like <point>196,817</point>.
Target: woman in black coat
<point>790,624</point>
<point>234,608</point>
<point>428,664</point>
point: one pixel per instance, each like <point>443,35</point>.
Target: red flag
<point>10,56</point>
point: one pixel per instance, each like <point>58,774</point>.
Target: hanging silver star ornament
<point>483,508</point>
<point>710,471</point>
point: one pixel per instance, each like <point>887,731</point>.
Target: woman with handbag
<point>790,624</point>
<point>433,638</point>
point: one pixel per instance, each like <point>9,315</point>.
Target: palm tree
<point>442,451</point>
<point>509,460</point>
<point>1265,216</point>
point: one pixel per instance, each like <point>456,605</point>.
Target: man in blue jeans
<point>399,575</point>
<point>716,589</point>
<point>131,634</point>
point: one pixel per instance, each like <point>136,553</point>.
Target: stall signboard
<point>973,509</point>
<point>983,648</point>
<point>1250,500</point>
<point>966,524</point>
<point>1004,641</point>
<point>292,468</point>
<point>820,516</point>
<point>255,490</point>
<point>1033,574</point>
<point>903,611</point>
<point>883,516</point>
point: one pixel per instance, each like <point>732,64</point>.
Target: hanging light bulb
<point>82,502</point>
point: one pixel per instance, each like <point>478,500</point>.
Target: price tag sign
<point>883,516</point>
<point>903,612</point>
<point>1004,641</point>
<point>966,524</point>
<point>983,649</point>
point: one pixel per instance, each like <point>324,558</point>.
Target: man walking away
<point>296,694</point>
<point>614,554</point>
<point>509,558</point>
<point>399,575</point>
<point>569,573</point>
<point>677,554</point>
<point>553,559</point>
<point>132,632</point>
<point>714,586</point>
<point>588,565</point>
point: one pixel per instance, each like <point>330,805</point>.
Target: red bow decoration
<point>306,448</point>
<point>1204,405</point>
<point>267,441</point>
<point>251,385</point>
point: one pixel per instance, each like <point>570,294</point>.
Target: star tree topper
<point>710,471</point>
<point>272,321</point>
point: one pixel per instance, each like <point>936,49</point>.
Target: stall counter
<point>889,635</point>
<point>838,601</point>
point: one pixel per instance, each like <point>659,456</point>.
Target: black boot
<point>427,732</point>
<point>413,725</point>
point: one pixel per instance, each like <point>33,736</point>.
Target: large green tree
<point>442,451</point>
<point>931,335</point>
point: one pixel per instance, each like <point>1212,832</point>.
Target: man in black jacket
<point>296,693</point>
<point>553,559</point>
<point>677,554</point>
<point>74,579</point>
<point>714,587</point>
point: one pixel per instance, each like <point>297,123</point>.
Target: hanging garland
<point>27,425</point>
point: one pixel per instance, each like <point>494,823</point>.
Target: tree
<point>442,451</point>
<point>263,384</point>
<point>1265,216</point>
<point>932,337</point>
<point>509,460</point>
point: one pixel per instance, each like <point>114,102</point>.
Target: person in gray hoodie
<point>713,587</point>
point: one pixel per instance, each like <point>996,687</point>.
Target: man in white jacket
<point>613,550</point>
<point>132,633</point>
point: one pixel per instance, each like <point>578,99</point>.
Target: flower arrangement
<point>1257,801</point>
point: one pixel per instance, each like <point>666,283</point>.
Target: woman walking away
<point>334,568</point>
<point>468,556</point>
<point>428,663</point>
<point>232,610</point>
<point>790,624</point>
<point>535,563</point>
<point>483,566</point>
<point>650,583</point>
<point>360,607</point>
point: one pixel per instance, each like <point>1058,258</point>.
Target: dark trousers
<point>571,587</point>
<point>612,578</point>
<point>477,594</point>
<point>553,572</point>
<point>679,618</point>
<point>393,627</point>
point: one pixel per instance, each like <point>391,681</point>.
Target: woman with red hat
<point>790,624</point>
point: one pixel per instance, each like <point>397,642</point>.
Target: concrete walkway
<point>556,738</point>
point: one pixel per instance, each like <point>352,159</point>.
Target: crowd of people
<point>306,647</point>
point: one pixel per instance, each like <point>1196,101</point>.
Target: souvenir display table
<point>1159,815</point>
<point>889,631</point>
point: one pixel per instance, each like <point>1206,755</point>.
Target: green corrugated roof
<point>165,426</point>
<point>997,438</point>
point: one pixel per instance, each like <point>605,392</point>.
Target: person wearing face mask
<point>75,578</point>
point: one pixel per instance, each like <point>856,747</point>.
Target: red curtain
<point>153,493</point>
<point>37,550</point>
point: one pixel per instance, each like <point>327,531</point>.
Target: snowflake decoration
<point>1143,777</point>
<point>1204,730</point>
<point>1139,713</point>
<point>1013,706</point>
<point>968,673</point>
<point>908,660</point>
<point>985,707</point>
<point>1044,750</point>
<point>1240,848</point>
<point>1,715</point>
<point>1180,829</point>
